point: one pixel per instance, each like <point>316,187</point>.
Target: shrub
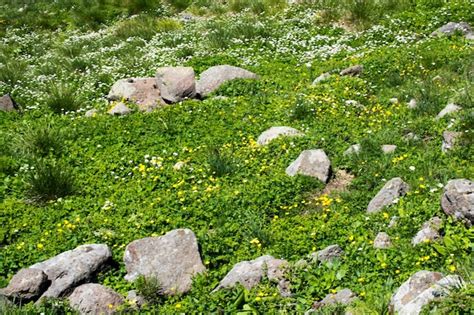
<point>49,180</point>
<point>62,98</point>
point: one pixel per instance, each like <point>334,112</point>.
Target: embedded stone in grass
<point>429,232</point>
<point>176,83</point>
<point>388,148</point>
<point>389,193</point>
<point>91,113</point>
<point>344,296</point>
<point>328,254</point>
<point>382,241</point>
<point>250,273</point>
<point>452,27</point>
<point>73,267</point>
<point>26,285</point>
<point>352,71</point>
<point>458,200</point>
<point>314,163</point>
<point>93,298</point>
<point>173,259</point>
<point>353,103</point>
<point>449,109</point>
<point>142,91</point>
<point>449,140</point>
<point>421,288</point>
<point>412,104</point>
<point>323,77</point>
<point>211,79</point>
<point>353,149</point>
<point>275,132</point>
<point>7,104</point>
<point>135,299</point>
<point>119,109</point>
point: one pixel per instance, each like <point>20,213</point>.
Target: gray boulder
<point>382,241</point>
<point>314,163</point>
<point>328,254</point>
<point>452,27</point>
<point>449,109</point>
<point>389,193</point>
<point>120,109</point>
<point>173,259</point>
<point>93,298</point>
<point>420,289</point>
<point>27,285</point>
<point>69,269</point>
<point>250,273</point>
<point>142,91</point>
<point>449,140</point>
<point>176,83</point>
<point>345,297</point>
<point>7,104</point>
<point>388,148</point>
<point>429,232</point>
<point>352,71</point>
<point>275,132</point>
<point>458,200</point>
<point>211,79</point>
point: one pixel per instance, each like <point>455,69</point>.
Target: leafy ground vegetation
<point>68,180</point>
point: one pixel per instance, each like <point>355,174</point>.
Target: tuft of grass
<point>39,140</point>
<point>145,27</point>
<point>49,180</point>
<point>302,109</point>
<point>220,163</point>
<point>63,98</point>
<point>149,288</point>
<point>429,98</point>
<point>11,70</point>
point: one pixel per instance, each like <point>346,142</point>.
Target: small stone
<point>390,192</point>
<point>328,254</point>
<point>382,241</point>
<point>353,149</point>
<point>119,109</point>
<point>91,113</point>
<point>26,285</point>
<point>393,222</point>
<point>323,77</point>
<point>393,100</point>
<point>449,140</point>
<point>93,298</point>
<point>429,232</point>
<point>176,83</point>
<point>353,103</point>
<point>449,109</point>
<point>412,104</point>
<point>345,297</point>
<point>135,299</point>
<point>7,104</point>
<point>458,200</point>
<point>352,71</point>
<point>179,165</point>
<point>275,132</point>
<point>388,148</point>
<point>314,163</point>
<point>452,27</point>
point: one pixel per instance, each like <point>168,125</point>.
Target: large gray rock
<point>250,273</point>
<point>211,79</point>
<point>176,83</point>
<point>328,254</point>
<point>26,285</point>
<point>275,132</point>
<point>345,296</point>
<point>449,109</point>
<point>420,289</point>
<point>452,27</point>
<point>119,109</point>
<point>391,191</point>
<point>173,259</point>
<point>352,71</point>
<point>93,298</point>
<point>142,91</point>
<point>382,241</point>
<point>7,104</point>
<point>458,200</point>
<point>429,232</point>
<point>74,267</point>
<point>314,163</point>
<point>449,140</point>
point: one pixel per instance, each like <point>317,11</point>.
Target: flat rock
<point>7,104</point>
<point>345,297</point>
<point>382,241</point>
<point>250,273</point>
<point>449,140</point>
<point>173,259</point>
<point>93,298</point>
<point>452,27</point>
<point>352,71</point>
<point>120,109</point>
<point>323,77</point>
<point>328,254</point>
<point>391,191</point>
<point>458,200</point>
<point>275,132</point>
<point>353,149</point>
<point>142,91</point>
<point>176,83</point>
<point>429,232</point>
<point>314,163</point>
<point>27,285</point>
<point>420,289</point>
<point>449,109</point>
<point>388,148</point>
<point>211,79</point>
<point>69,269</point>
